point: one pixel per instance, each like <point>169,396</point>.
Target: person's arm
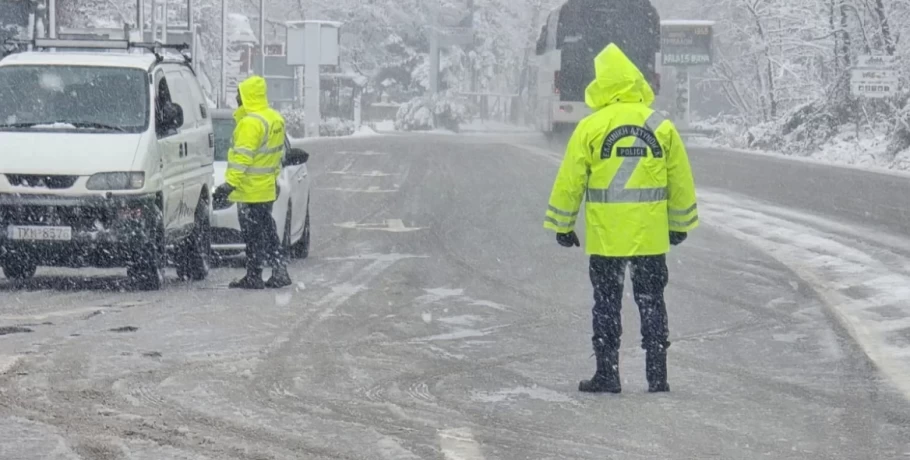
<point>682,204</point>
<point>569,187</point>
<point>247,139</point>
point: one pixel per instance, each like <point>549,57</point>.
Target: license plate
<point>39,233</point>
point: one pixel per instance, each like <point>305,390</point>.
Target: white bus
<point>572,36</point>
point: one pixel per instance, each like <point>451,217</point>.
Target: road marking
<point>7,362</point>
<point>368,153</point>
<point>362,174</point>
<point>394,257</point>
<point>55,314</point>
<point>390,225</point>
<point>459,444</point>
<point>370,189</point>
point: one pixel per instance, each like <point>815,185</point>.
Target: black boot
<point>252,280</point>
<point>656,370</point>
<point>606,379</point>
<point>279,279</point>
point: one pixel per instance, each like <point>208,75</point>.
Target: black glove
<point>678,237</point>
<point>221,194</point>
<point>567,240</point>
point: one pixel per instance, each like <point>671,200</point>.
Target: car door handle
<point>184,149</point>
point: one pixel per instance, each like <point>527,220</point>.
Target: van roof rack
<point>155,48</point>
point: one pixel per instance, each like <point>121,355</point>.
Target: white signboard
<point>327,48</point>
<point>875,77</point>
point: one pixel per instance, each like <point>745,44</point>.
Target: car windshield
<point>68,97</point>
<point>224,130</point>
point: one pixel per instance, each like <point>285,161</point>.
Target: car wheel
<point>147,269</point>
<point>193,254</point>
<point>301,250</point>
<point>286,233</point>
<point>19,269</point>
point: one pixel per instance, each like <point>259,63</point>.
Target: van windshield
<point>63,97</point>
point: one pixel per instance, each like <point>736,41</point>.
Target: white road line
<point>362,174</point>
<point>390,225</point>
<point>459,444</point>
<point>370,189</point>
<point>7,362</point>
<point>368,153</point>
<point>55,314</point>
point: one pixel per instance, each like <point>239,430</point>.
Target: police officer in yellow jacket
<point>631,167</point>
<point>254,163</point>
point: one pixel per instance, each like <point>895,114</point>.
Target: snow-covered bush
<point>330,127</point>
<point>295,124</point>
<point>336,127</point>
<point>417,114</point>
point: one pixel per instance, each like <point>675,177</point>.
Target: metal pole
<point>164,24</point>
<point>154,20</point>
<point>224,52</point>
<point>140,19</point>
<point>262,36</point>
<point>313,116</point>
<point>434,47</point>
<point>194,34</point>
<point>52,18</point>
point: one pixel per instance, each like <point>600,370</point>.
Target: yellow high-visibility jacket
<point>630,165</point>
<point>254,160</point>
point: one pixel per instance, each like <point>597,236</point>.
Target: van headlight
<point>116,181</point>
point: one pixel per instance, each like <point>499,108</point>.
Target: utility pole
<point>434,47</point>
<point>154,21</point>
<point>140,19</point>
<point>224,52</point>
<point>262,36</point>
<point>52,18</point>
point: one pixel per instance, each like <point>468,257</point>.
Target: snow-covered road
<point>436,319</point>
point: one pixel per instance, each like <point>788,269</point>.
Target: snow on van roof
<point>100,59</point>
<point>686,22</point>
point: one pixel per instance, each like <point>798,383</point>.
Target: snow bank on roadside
<point>866,286</point>
<point>864,149</point>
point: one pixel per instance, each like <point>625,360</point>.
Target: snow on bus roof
<point>686,22</point>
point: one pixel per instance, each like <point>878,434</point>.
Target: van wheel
<point>301,250</point>
<point>194,253</point>
<point>147,269</point>
<point>19,270</point>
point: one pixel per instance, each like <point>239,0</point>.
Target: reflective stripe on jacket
<point>630,166</point>
<point>258,147</point>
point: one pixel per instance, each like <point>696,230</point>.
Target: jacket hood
<point>254,93</point>
<point>617,79</point>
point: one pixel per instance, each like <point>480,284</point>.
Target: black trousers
<point>260,236</point>
<point>649,279</point>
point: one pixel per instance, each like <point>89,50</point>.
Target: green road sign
<point>686,43</point>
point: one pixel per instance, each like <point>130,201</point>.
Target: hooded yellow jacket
<point>629,164</point>
<point>254,160</point>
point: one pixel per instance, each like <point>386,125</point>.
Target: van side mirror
<point>171,116</point>
<point>296,157</point>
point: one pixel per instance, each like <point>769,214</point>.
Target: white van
<point>105,161</point>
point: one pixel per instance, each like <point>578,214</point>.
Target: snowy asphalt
<point>436,319</point>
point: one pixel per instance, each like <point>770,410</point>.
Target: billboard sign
<point>686,43</point>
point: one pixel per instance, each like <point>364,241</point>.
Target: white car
<point>291,211</point>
